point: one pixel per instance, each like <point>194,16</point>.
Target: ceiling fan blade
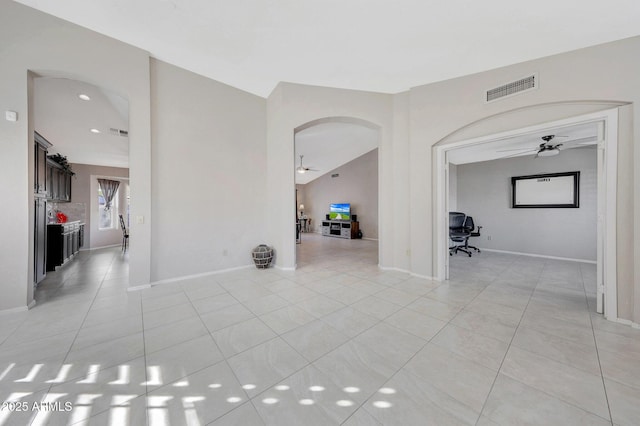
<point>520,153</point>
<point>517,149</point>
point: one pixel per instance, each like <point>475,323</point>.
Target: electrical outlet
<point>488,237</point>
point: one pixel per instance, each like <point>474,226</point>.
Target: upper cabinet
<point>41,147</point>
<point>52,177</point>
<point>59,179</point>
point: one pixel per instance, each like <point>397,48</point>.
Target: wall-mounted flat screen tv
<point>340,211</point>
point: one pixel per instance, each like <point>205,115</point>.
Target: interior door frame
<point>607,171</point>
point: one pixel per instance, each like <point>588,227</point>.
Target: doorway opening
<point>86,127</point>
<point>336,186</point>
<point>605,124</point>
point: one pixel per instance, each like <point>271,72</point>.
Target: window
<point>108,219</point>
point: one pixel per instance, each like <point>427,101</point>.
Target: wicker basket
<point>262,256</point>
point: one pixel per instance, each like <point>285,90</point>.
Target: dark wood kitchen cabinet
<point>59,182</point>
<point>64,241</point>
<point>40,195</point>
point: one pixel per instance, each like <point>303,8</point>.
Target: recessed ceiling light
<point>84,97</point>
<point>95,131</point>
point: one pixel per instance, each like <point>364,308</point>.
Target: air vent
<point>119,132</point>
<point>335,175</point>
<point>513,88</point>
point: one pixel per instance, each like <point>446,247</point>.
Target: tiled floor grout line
<point>543,289</point>
<point>509,345</point>
<point>595,342</point>
<point>146,369</point>
<point>33,418</point>
<point>224,357</point>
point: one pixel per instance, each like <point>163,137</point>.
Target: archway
<point>607,122</point>
<point>340,167</point>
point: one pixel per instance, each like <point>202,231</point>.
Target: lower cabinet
<point>64,240</point>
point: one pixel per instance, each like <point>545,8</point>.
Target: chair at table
<point>458,234</point>
<point>471,228</point>
<point>125,234</point>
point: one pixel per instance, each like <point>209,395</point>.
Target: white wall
<point>291,106</point>
<point>32,41</point>
<point>484,192</point>
<point>209,190</point>
<point>453,188</point>
<point>356,184</point>
<point>570,84</point>
<point>410,123</point>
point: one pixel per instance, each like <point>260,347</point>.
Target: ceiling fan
<point>548,149</point>
<point>302,169</point>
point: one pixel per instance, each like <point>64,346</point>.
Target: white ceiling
<point>578,136</point>
<point>66,121</point>
<point>327,146</point>
<point>375,45</point>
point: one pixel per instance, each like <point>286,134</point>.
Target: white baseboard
<point>569,259</point>
<point>204,274</point>
<point>139,287</point>
<point>18,309</point>
<point>406,271</point>
<point>100,248</point>
<point>286,268</point>
<point>14,310</point>
<point>625,322</point>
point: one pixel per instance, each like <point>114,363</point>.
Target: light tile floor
<point>508,340</point>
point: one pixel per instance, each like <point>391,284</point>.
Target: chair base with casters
<point>456,248</point>
<point>125,234</point>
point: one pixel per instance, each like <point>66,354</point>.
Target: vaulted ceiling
<point>372,45</point>
<point>375,45</point>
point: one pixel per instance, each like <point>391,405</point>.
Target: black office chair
<point>470,226</point>
<point>458,234</point>
<point>125,234</point>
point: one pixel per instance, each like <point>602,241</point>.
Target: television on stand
<point>340,211</point>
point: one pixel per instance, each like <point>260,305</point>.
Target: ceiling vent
<point>119,132</point>
<point>513,88</point>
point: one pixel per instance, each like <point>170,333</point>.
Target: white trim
<point>287,268</point>
<point>607,226</point>
<point>412,274</point>
<point>139,287</point>
<point>610,176</point>
<point>204,274</point>
<point>18,309</point>
<point>626,322</point>
<point>101,247</point>
<point>393,269</point>
<point>517,253</point>
<point>425,277</point>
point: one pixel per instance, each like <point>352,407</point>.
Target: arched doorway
<point>607,124</point>
<point>336,164</point>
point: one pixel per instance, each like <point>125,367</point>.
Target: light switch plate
<point>11,115</point>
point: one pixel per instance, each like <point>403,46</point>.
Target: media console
<point>339,228</point>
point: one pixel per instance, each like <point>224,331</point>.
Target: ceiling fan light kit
<point>549,152</point>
